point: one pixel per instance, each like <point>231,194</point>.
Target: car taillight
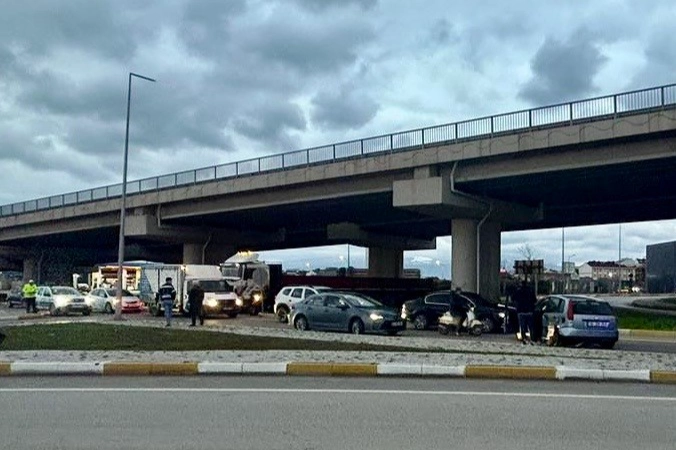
<point>569,313</point>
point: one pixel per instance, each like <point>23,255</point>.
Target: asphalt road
<point>332,413</point>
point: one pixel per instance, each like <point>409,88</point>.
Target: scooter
<point>470,324</point>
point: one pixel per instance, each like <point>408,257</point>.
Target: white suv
<point>293,294</point>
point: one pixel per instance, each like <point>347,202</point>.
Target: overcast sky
<point>239,79</point>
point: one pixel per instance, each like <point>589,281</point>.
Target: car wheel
<point>443,329</point>
<point>476,330</point>
<point>108,308</point>
<point>301,323</point>
<point>488,324</point>
<point>86,312</point>
<point>282,314</point>
<point>420,322</point>
<point>357,326</point>
<point>53,311</point>
<point>254,311</point>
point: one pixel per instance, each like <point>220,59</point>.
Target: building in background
<point>660,272</point>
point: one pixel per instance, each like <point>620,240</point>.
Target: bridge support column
<point>463,259</point>
<point>385,262</point>
<point>192,253</point>
<point>464,269</point>
<point>30,270</point>
<point>206,252</point>
<point>489,260</point>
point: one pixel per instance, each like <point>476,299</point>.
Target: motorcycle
<point>454,321</point>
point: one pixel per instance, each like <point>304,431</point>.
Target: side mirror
<point>343,306</point>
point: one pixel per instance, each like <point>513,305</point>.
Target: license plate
<point>397,324</point>
<point>598,324</point>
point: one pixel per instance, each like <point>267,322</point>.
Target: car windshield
<point>591,307</point>
<point>362,301</point>
<point>214,286</point>
<point>64,291</point>
<point>113,293</point>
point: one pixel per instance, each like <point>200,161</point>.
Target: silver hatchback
<point>577,319</point>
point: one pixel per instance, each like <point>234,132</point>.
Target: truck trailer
<point>219,295</point>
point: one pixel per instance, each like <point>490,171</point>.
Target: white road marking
<point>341,391</point>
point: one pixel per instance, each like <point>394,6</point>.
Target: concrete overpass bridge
<point>601,160</point>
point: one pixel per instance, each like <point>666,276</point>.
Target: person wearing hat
<point>167,295</point>
<point>29,292</point>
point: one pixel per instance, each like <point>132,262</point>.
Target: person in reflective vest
<point>167,296</point>
<point>30,291</point>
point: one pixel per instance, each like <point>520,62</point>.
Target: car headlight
<point>239,302</point>
<point>257,297</point>
<point>211,303</point>
<point>376,317</point>
<point>501,315</point>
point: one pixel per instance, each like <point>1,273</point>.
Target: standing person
<point>196,299</point>
<point>29,291</point>
<point>525,300</point>
<point>167,295</point>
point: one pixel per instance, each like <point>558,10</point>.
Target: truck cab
<point>250,279</point>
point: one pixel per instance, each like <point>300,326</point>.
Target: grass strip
<point>639,320</point>
<point>104,337</point>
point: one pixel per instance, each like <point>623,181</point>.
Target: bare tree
<point>526,251</point>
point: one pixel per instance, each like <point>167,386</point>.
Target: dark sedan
<point>424,312</point>
<point>345,311</point>
<point>15,298</point>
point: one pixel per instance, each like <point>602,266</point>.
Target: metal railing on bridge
<point>591,109</point>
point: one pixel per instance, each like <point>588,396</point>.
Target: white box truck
<point>219,296</point>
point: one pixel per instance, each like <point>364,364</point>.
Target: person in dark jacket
<point>196,299</point>
<point>524,298</point>
<point>167,295</point>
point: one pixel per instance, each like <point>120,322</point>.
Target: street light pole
<point>123,206</point>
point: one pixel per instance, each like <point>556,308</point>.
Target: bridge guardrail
<point>596,108</point>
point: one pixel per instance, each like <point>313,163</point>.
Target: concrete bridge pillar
<point>489,260</point>
<point>385,262</point>
<point>30,270</point>
<point>207,252</point>
<point>464,259</point>
<point>192,253</point>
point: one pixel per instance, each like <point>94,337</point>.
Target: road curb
<point>648,334</point>
<point>301,368</point>
<point>511,372</point>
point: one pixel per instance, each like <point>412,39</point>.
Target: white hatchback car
<point>292,294</point>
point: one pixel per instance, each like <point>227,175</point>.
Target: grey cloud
<point>563,69</point>
<point>206,24</point>
<point>271,123</point>
<point>309,46</point>
<point>343,108</point>
<point>660,58</point>
<point>93,25</point>
<point>323,5</point>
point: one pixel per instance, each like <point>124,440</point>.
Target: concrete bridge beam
<point>346,232</point>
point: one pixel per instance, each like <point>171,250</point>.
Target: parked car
<point>575,319</point>
<point>345,311</point>
<point>424,313</point>
<point>105,300</point>
<point>15,298</point>
<point>291,295</point>
<point>61,300</point>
